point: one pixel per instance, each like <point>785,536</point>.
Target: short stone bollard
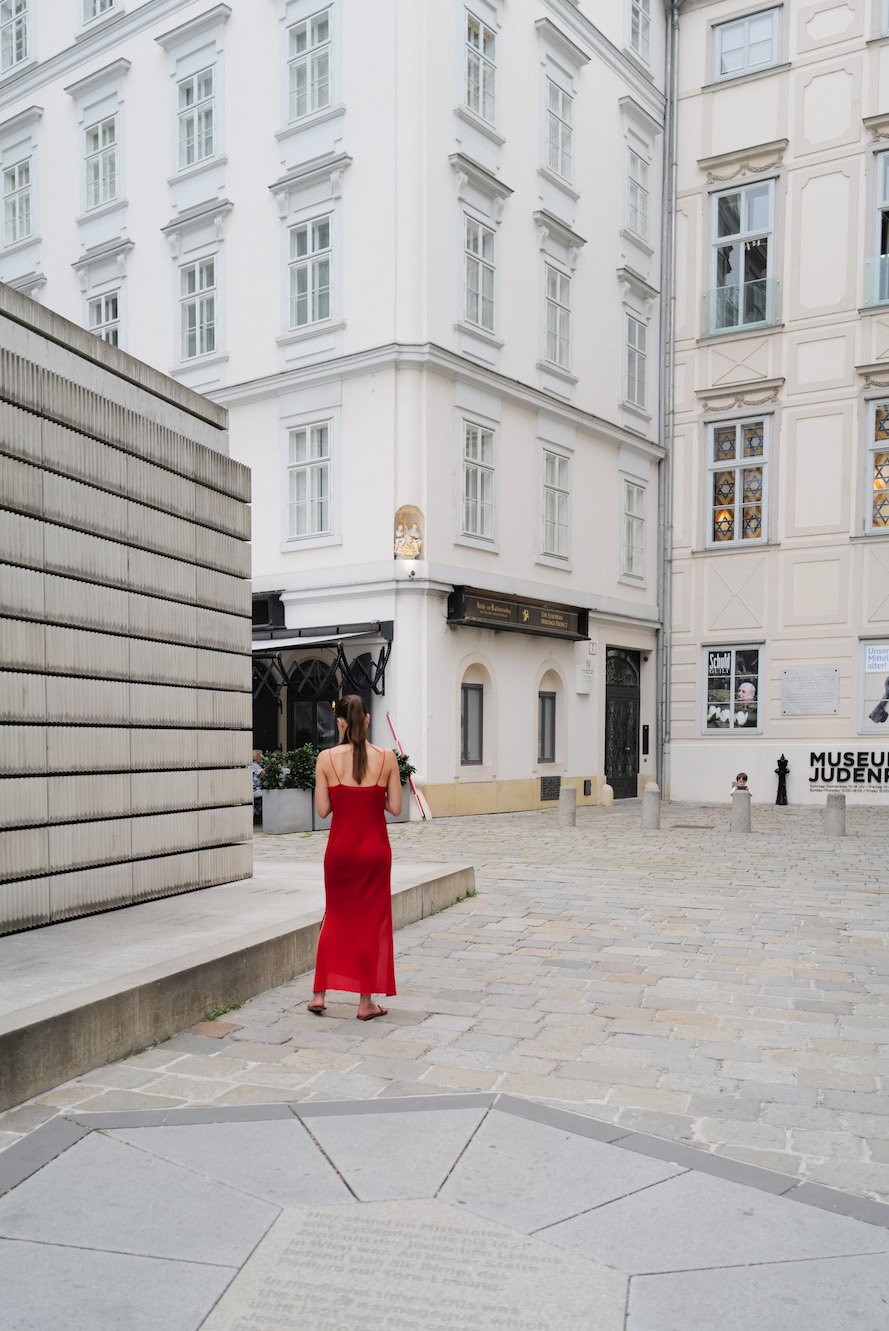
<point>651,808</point>
<point>835,815</point>
<point>606,796</point>
<point>567,806</point>
<point>741,810</point>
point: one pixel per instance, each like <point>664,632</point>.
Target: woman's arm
<point>322,790</point>
<point>394,794</point>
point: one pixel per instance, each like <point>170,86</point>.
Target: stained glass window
<point>737,481</point>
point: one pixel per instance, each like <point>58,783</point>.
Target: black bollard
<point>781,771</point>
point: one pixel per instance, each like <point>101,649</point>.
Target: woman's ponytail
<point>351,709</point>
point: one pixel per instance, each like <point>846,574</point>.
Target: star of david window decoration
<point>881,490</point>
<point>738,491</point>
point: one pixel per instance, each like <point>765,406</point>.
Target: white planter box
<point>286,811</point>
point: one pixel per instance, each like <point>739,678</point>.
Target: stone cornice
<point>750,393</point>
<point>24,120</point>
<point>557,39</point>
<point>393,355</point>
<point>598,44</point>
<point>107,74</point>
<point>754,160</point>
<point>195,27</point>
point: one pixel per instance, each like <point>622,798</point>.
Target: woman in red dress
<point>359,782</point>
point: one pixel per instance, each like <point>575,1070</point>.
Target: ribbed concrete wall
<point>125,703</point>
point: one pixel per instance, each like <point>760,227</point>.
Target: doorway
<point>622,722</point>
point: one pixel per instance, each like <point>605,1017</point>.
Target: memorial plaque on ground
<point>413,1266</point>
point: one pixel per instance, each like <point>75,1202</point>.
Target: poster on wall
<point>875,694</point>
<point>732,688</point>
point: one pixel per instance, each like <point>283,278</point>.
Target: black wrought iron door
<point>622,722</point>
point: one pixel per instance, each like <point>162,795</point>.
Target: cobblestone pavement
<point>727,992</point>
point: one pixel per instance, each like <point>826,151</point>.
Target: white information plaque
<point>810,691</point>
<point>585,675</point>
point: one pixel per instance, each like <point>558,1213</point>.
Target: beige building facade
<point>779,431</point>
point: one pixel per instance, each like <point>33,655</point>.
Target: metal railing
<point>749,305</point>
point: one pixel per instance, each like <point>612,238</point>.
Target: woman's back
<point>341,764</point>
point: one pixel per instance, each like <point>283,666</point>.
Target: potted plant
<point>287,781</point>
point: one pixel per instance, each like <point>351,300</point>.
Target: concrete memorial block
<point>835,814</point>
<point>116,492</point>
<point>741,821</point>
<point>651,808</point>
<point>417,1264</point>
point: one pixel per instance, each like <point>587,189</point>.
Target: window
<point>747,44</point>
<point>732,688</point>
<point>878,469</point>
<point>197,308</point>
<point>878,278</point>
<point>478,481</point>
<point>101,162</point>
<point>480,68</point>
<point>884,18</point>
<point>742,258</point>
<point>637,193</point>
<point>17,202</point>
<point>479,294</point>
<point>104,317</point>
<point>308,480</point>
<point>310,255</point>
<point>196,116</point>
<point>546,727</point>
<point>13,33</point>
<point>640,29</point>
<point>633,563</point>
<point>558,317</point>
<point>308,67</point>
<point>555,504</point>
<point>94,8</point>
<point>472,709</point>
<point>637,335</point>
<point>737,481</point>
<point>875,689</point>
<point>559,134</point>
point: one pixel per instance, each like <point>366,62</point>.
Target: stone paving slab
<point>685,984</point>
<point>89,1233</point>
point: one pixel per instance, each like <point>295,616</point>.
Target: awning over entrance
<point>311,679</point>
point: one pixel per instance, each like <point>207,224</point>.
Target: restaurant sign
<point>516,615</point>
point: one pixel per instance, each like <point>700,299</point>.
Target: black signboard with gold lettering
<point>513,614</point>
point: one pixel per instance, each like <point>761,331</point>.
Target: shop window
<point>733,689</point>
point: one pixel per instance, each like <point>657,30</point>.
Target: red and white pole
<point>414,790</point>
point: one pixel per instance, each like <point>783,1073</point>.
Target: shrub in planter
<point>406,768</point>
<point>272,775</point>
<point>300,768</point>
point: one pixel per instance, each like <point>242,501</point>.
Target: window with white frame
<point>197,111</point>
<point>104,317</point>
<point>310,272</point>
<point>637,193</point>
<point>14,43</point>
<point>742,258</point>
<point>478,481</point>
<point>308,480</point>
<point>546,727</point>
<point>733,688</point>
<point>559,130</point>
<point>636,343</point>
<point>878,468</point>
<point>747,45</point>
<point>556,499</point>
<point>197,308</point>
<point>479,273</point>
<point>633,561</point>
<point>874,688</point>
<point>737,481</point>
<point>481,67</point>
<point>96,8</point>
<point>640,29</point>
<point>308,65</point>
<point>17,204</point>
<point>558,317</point>
<point>101,163</point>
<point>472,720</point>
<point>878,277</point>
<point>884,18</point>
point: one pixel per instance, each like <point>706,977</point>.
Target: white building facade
<point>780,445</point>
<point>414,250</point>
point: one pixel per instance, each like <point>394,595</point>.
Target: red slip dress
<point>355,947</point>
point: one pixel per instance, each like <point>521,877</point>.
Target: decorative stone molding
<point>195,27</point>
<point>753,161</point>
<point>108,74</point>
<point>558,41</point>
<point>738,396</point>
<point>216,212</point>
<point>635,111</point>
<point>472,176</point>
<point>24,120</point>
<point>878,126</point>
<point>634,284</point>
<point>116,251</point>
<point>409,524</point>
<point>552,228</point>
<point>318,171</point>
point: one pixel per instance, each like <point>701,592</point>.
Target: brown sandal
<point>369,1016</point>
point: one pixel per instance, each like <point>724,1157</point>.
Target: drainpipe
<point>667,406</point>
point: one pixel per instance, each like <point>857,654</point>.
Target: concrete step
<point>77,995</point>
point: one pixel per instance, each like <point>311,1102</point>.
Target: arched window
<point>549,693</point>
<point>475,705</point>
